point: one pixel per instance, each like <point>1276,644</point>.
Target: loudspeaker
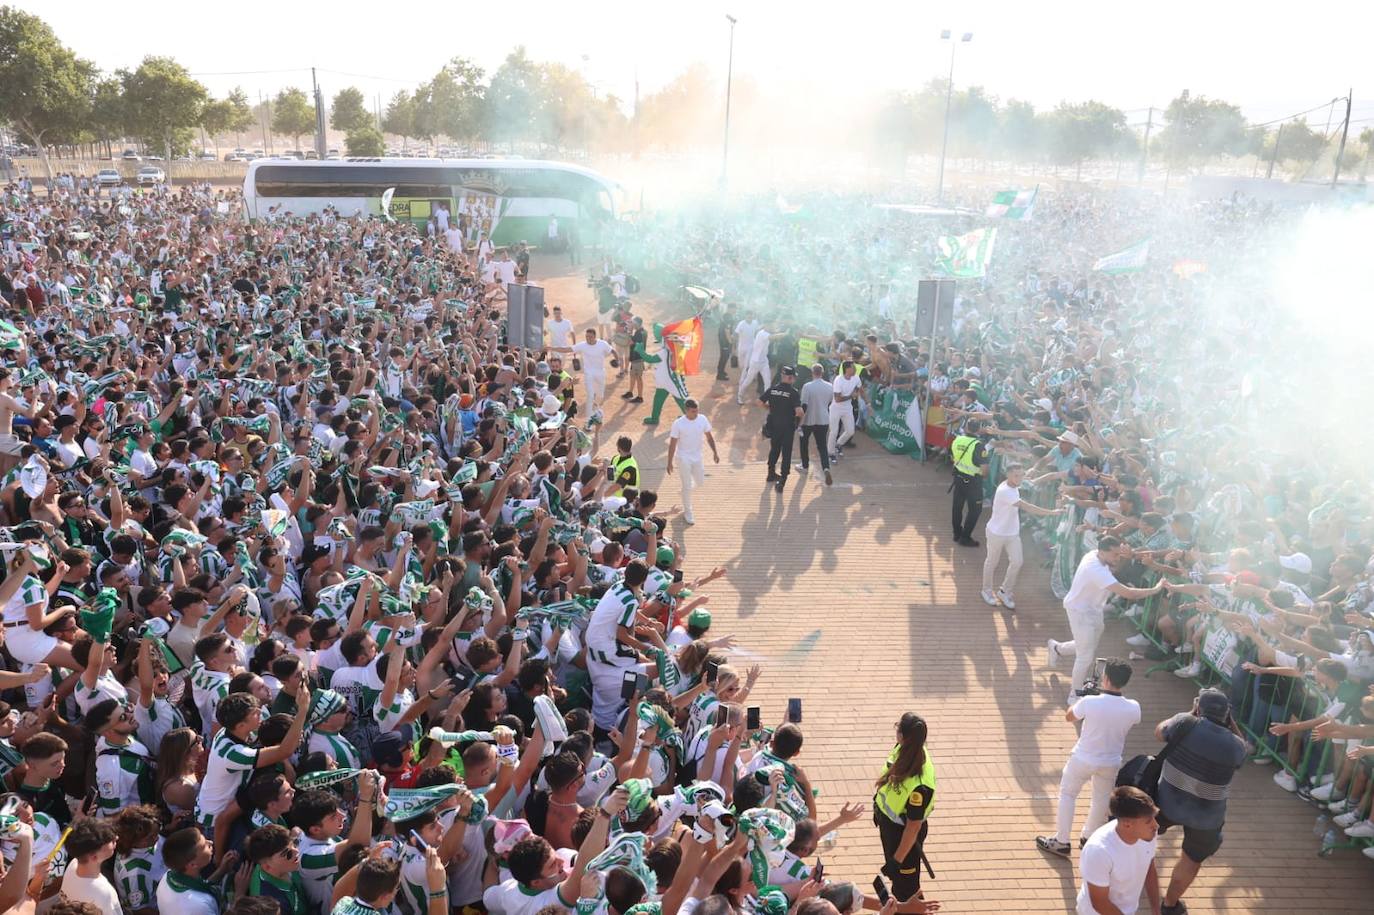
<point>525,316</point>
<point>929,317</point>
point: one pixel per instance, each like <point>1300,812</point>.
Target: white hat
<point>1069,436</point>
<point>1045,403</point>
<point>550,406</point>
<point>1297,562</point>
<point>597,545</point>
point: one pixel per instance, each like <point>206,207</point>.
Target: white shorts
<point>28,645</point>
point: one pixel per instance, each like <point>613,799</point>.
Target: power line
<point>252,72</point>
<point>1298,115</point>
<point>388,79</point>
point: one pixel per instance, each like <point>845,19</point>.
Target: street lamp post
<point>729,74</point>
<point>949,96</point>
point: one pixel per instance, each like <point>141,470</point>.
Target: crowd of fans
<point>317,599</point>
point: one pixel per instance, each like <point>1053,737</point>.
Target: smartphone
<point>880,888</point>
<point>629,685</point>
<point>712,670</point>
<point>818,872</point>
<point>642,683</point>
<point>751,718</point>
<point>794,713</point>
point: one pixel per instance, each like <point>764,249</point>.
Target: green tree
<point>107,118</point>
<point>973,123</point>
<point>348,112</point>
<point>1298,144</point>
<point>1083,131</point>
<point>572,113</point>
<point>293,115</point>
<point>685,112</point>
<point>365,141</point>
<point>400,115</point>
<point>162,103</point>
<point>1197,129</point>
<point>1367,141</point>
<point>515,100</point>
<point>1021,132</point>
<point>450,104</point>
<point>45,89</point>
<point>240,114</point>
<point>214,117</point>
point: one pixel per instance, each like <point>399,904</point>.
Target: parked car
<point>129,156</point>
<point>150,175</point>
<point>108,177</point>
<point>207,156</point>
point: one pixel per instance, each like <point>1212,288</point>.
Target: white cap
<point>550,406</point>
<point>598,545</point>
<point>1297,562</point>
<point>1069,436</point>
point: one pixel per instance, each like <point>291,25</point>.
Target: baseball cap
<point>1069,436</point>
<point>788,370</point>
<point>1297,562</point>
<point>664,555</point>
<point>387,749</point>
<point>1213,705</point>
<point>699,619</point>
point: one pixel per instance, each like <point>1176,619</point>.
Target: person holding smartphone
<point>903,800</point>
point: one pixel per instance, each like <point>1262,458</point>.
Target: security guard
<point>624,467</point>
<point>902,806</point>
<point>783,401</point>
<point>970,458</point>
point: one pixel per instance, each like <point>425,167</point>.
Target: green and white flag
<point>1018,205</point>
<point>966,255</point>
<point>1127,260</point>
<point>407,803</point>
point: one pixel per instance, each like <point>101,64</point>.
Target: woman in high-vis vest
<point>902,804</point>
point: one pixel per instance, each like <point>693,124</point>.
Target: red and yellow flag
<point>686,337</point>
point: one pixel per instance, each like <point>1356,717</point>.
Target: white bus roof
<point>493,165</point>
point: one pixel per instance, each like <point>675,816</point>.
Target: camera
<point>1092,684</point>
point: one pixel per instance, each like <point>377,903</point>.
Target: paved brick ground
<point>854,599</point>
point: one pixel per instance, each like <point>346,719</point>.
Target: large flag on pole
<point>966,255</point>
<point>1017,205</point>
<point>686,337</point>
<point>1127,260</point>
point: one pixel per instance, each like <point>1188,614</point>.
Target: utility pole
<point>1345,129</point>
<point>1275,154</point>
<point>262,112</point>
<point>949,98</point>
<point>319,117</point>
<point>1145,147</point>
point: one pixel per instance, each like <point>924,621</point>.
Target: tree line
<point>52,97</point>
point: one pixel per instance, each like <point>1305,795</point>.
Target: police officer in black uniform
<point>970,455</point>
<point>783,401</point>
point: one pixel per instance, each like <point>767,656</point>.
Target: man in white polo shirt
<point>685,439</point>
<point>1003,534</point>
<point>1107,717</point>
<point>1092,584</point>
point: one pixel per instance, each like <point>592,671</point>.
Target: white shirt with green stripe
<point>106,687</point>
<point>117,772</point>
<point>157,720</point>
<point>208,687</point>
<point>31,591</point>
<point>413,898</point>
<point>137,875</point>
<point>338,747</point>
<point>389,718</point>
<point>319,868</point>
<point>616,608</point>
<point>231,765</point>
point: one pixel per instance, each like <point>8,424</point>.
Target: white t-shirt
<point>1006,517</point>
<point>95,890</point>
<point>508,898</point>
<point>1106,719</point>
<point>758,352</point>
<point>1108,861</point>
<point>560,333</point>
<point>1088,593</point>
<point>506,271</point>
<point>845,387</point>
<point>593,356</point>
<point>690,435</point>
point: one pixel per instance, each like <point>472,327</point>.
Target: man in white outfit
<point>685,439</point>
<point>1093,584</point>
<point>1107,717</point>
<point>845,388</point>
<point>1003,535</point>
<point>757,367</point>
<point>593,353</point>
<point>744,340</point>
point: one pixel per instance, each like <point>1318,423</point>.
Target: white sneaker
<point>1053,653</point>
<point>1368,852</point>
<point>1007,600</point>
<point>1139,640</point>
<point>689,520</point>
<point>1324,793</point>
<point>1348,819</point>
<point>1263,760</point>
<point>1133,613</point>
<point>1285,780</point>
<point>1185,648</point>
<point>1363,830</point>
<point>1340,806</point>
<point>1327,779</point>
<point>1192,670</point>
<point>988,598</point>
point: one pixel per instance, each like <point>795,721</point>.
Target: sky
<point>1128,55</point>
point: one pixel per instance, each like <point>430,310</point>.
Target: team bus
<point>507,199</point>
